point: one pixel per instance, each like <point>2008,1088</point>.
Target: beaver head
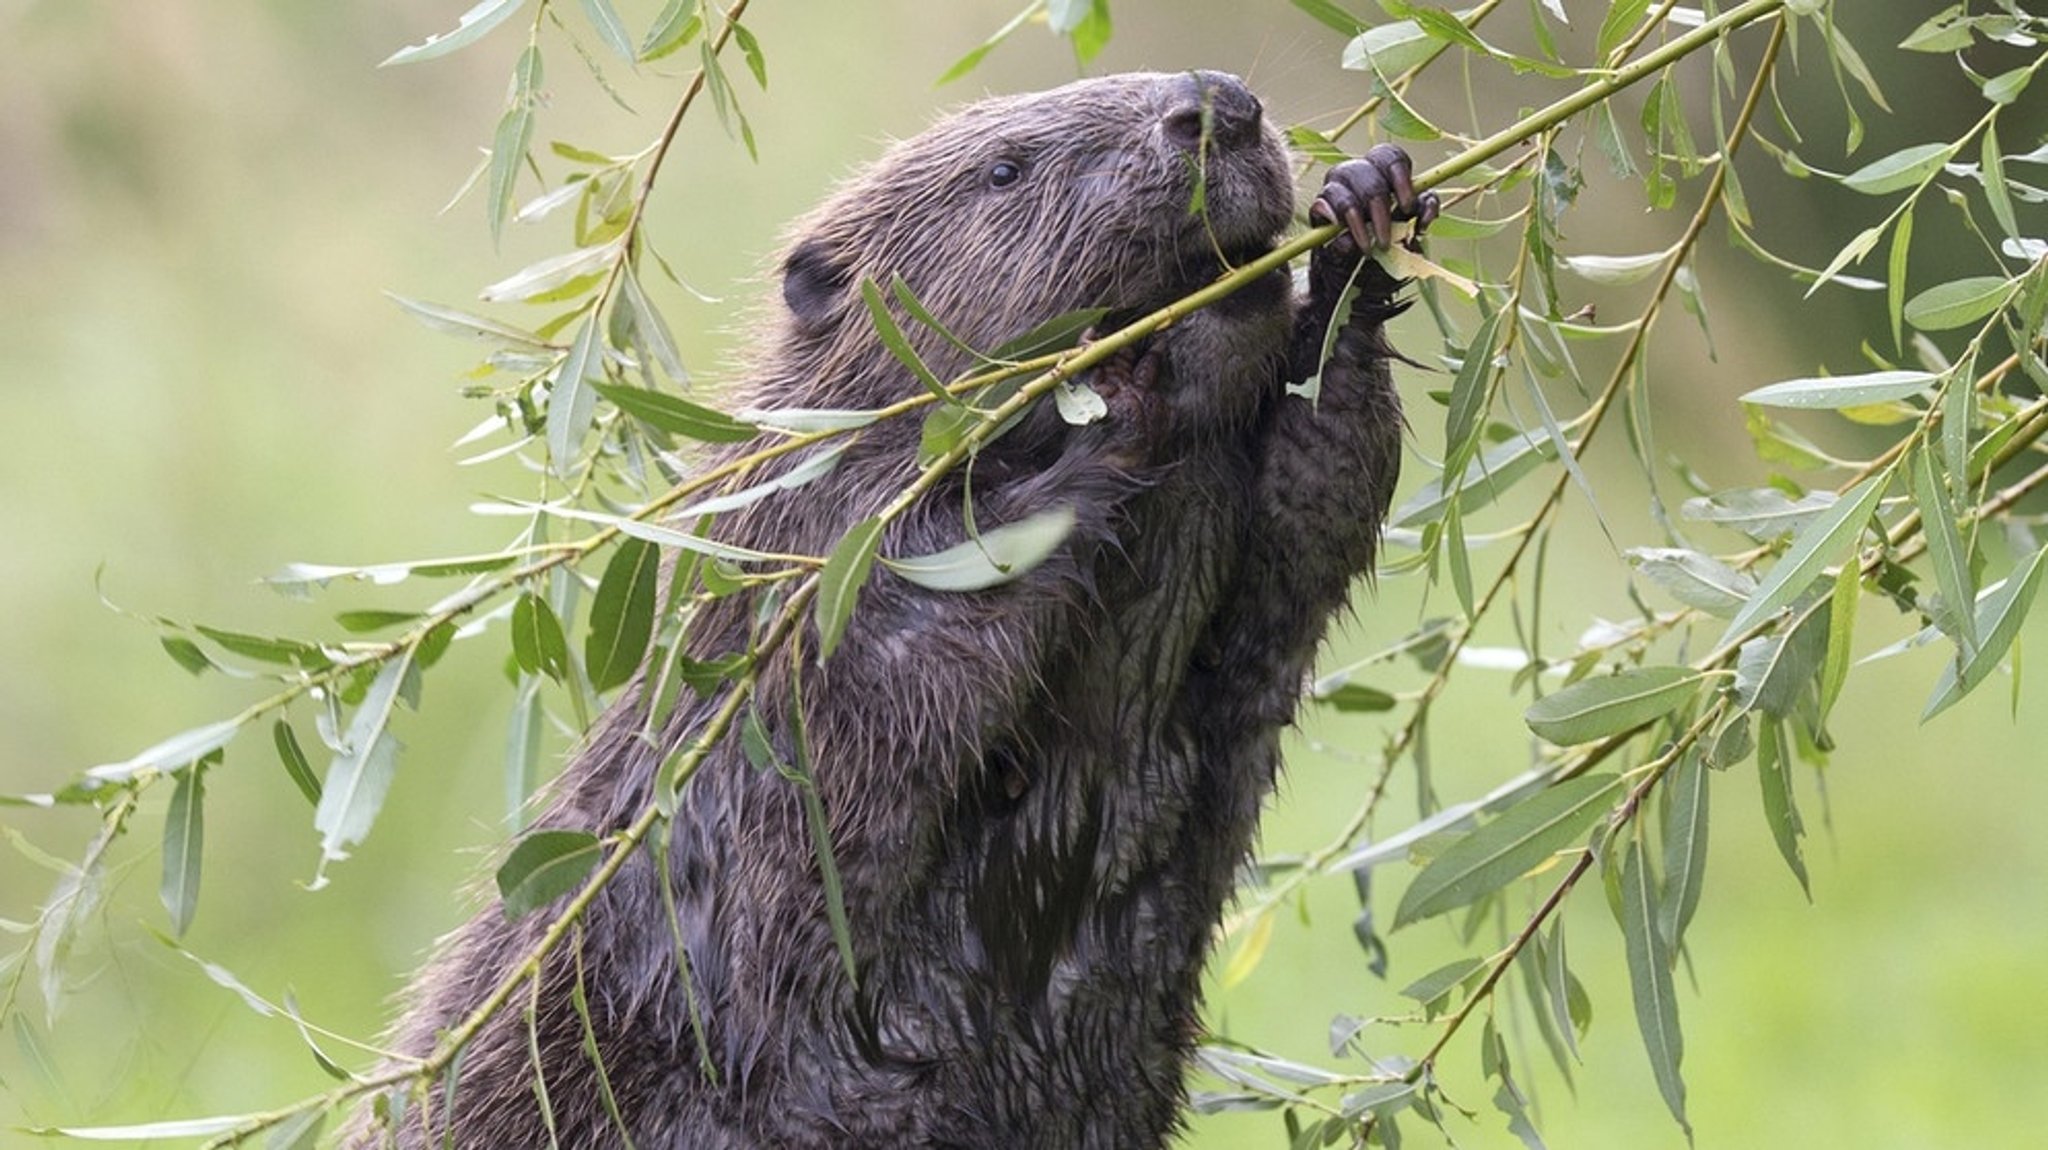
<point>1123,192</point>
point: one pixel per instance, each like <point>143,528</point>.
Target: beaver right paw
<point>1368,195</point>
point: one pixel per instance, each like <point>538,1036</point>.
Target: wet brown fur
<point>1037,793</point>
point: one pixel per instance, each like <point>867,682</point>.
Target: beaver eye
<point>1003,173</point>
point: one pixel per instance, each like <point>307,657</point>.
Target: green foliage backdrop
<point>200,213</point>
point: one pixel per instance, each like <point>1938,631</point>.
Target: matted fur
<point>1038,793</point>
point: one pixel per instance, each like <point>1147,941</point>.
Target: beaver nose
<point>1234,113</point>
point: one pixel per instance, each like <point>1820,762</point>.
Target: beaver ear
<point>812,281</point>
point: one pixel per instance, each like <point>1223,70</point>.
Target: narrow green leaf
<point>610,28</point>
<point>967,63</point>
<point>750,51</point>
<point>176,1128</point>
<point>538,643</point>
<point>1762,513</point>
<point>1995,190</point>
<point>1829,538</point>
<point>2006,87</point>
<point>997,556</point>
<point>846,572</point>
<point>1999,615</point>
<point>1685,848</point>
<point>622,614</point>
<point>1858,246</point>
<point>1469,392</point>
<point>1958,302</point>
<point>469,28</point>
<point>1389,49</point>
<point>821,841</point>
<point>1056,334</point>
<point>1616,269</point>
<point>1781,809</point>
<point>1773,670</point>
<point>1251,949</point>
<point>184,843</point>
<point>363,622</point>
<point>544,866</point>
<point>654,533</point>
<point>510,142</point>
<point>1595,708</point>
<point>678,416</point>
<point>294,759</point>
<point>653,328</point>
<point>811,468</point>
<point>268,650</point>
<point>1902,169</point>
<point>299,1132</point>
<point>1834,669</point>
<point>572,400</point>
<point>1354,698</point>
<point>1510,846</point>
<point>1622,19</point>
<point>547,275</point>
<point>1485,479</point>
<point>1332,16</point>
<point>177,752</point>
<point>1895,273</point>
<point>1958,615</point>
<point>892,337</point>
<point>186,653</point>
<point>1694,579</point>
<point>1458,557</point>
<point>1433,990</point>
<point>678,24</point>
<point>1649,968</point>
<point>361,772</point>
<point>1842,390</point>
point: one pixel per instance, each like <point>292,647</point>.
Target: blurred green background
<point>200,205</point>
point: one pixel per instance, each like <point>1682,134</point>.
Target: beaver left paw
<point>1128,384</point>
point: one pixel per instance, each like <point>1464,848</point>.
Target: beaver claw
<point>1369,194</point>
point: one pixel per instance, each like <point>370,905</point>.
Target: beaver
<point>1038,792</point>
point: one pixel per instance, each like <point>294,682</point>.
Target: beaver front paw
<point>1128,383</point>
<point>1368,195</point>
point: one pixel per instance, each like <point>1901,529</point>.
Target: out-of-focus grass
<point>198,210</point>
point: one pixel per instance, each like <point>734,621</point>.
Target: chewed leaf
<point>998,556</point>
<point>469,28</point>
<point>1508,847</point>
<point>1610,704</point>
